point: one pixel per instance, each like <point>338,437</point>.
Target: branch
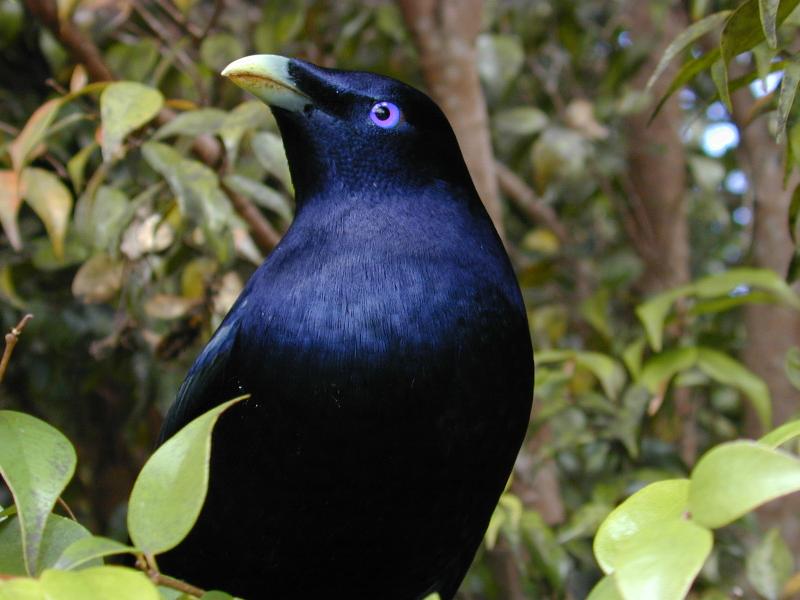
<point>525,199</point>
<point>11,340</point>
<point>147,563</point>
<point>205,147</point>
<point>264,234</point>
<point>82,50</point>
<point>176,15</point>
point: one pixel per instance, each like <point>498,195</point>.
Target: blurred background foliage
<point>653,256</point>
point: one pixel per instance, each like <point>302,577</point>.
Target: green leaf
<point>98,279</point>
<point>741,33</point>
<point>794,205</point>
<point>110,211</point>
<point>608,371</point>
<point>547,555</point>
<point>171,488</point>
<point>606,589</point>
<point>119,583</point>
<point>661,368</point>
<point>684,39</point>
<point>248,116</point>
<point>193,123</point>
<point>58,534</point>
<point>76,166</point>
<point>216,595</point>
<point>649,544</point>
<point>520,121</point>
<point>261,194</point>
<point>768,12</point>
<point>658,502</point>
<point>663,561</point>
<point>36,462</point>
<point>632,357</point>
<point>791,366</point>
<point>789,83</point>
<point>727,282</point>
<point>781,435</point>
<point>51,201</point>
<point>21,589</point>
<point>220,49</point>
<point>33,134</point>
<point>763,56</point>
<point>269,151</point>
<point>124,107</point>
<point>653,313</point>
<point>687,72</point>
<point>770,565</point>
<point>500,58</point>
<point>200,198</point>
<point>719,74</point>
<point>734,478</point>
<point>728,371</point>
<point>88,549</point>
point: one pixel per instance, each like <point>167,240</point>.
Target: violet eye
<point>385,114</point>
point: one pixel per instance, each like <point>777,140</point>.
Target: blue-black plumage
<point>385,346</point>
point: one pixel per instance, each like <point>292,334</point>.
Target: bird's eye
<point>385,114</point>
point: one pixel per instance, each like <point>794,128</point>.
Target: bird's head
<point>352,131</point>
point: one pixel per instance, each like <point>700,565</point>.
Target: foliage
<point>61,559</point>
<point>121,204</point>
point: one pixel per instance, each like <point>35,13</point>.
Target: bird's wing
<point>208,383</point>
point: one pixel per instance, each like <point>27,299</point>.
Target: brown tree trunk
<point>771,330</point>
<point>444,33</point>
<point>657,161</point>
<point>656,186</point>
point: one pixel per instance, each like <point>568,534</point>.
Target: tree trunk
<point>657,162</point>
<point>444,33</point>
<point>656,186</point>
<point>771,330</point>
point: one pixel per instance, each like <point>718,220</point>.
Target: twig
<point>525,199</point>
<point>264,234</point>
<point>11,340</point>
<point>187,26</point>
<point>205,147</point>
<point>219,5</point>
<point>147,563</point>
<point>66,508</point>
<point>81,49</point>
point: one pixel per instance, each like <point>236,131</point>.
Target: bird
<point>385,347</point>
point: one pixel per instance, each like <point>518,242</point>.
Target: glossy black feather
<point>386,348</point>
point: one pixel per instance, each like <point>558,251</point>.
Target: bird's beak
<point>266,76</point>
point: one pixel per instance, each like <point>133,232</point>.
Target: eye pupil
<point>385,115</point>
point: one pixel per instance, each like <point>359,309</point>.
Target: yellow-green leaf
<point>728,371</point>
<point>124,107</point>
<point>734,478</point>
<point>649,544</point>
<point>96,583</point>
<point>51,201</point>
<point>33,133</point>
<point>782,434</point>
<point>98,279</point>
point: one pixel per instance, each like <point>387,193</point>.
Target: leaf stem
<point>147,563</point>
<point>12,338</point>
